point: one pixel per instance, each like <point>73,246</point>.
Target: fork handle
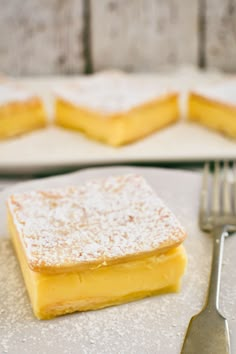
<point>219,234</point>
<point>208,331</point>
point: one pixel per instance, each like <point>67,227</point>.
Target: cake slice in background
<point>115,108</point>
<point>215,107</point>
<point>20,110</point>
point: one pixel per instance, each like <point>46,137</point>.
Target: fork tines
<point>218,194</point>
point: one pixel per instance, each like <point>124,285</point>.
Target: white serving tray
<point>55,148</point>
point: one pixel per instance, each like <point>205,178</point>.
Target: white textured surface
<point>111,93</point>
<point>133,36</point>
<point>219,43</point>
<point>154,325</point>
<point>225,93</point>
<point>102,220</point>
<point>42,37</point>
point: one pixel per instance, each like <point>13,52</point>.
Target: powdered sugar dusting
<point>224,92</point>
<point>153,325</point>
<point>111,92</point>
<point>11,93</point>
<point>99,221</point>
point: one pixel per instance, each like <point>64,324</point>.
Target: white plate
<point>55,148</point>
<point>153,325</point>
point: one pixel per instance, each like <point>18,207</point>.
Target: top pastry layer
<point>222,93</point>
<point>102,222</point>
<point>111,92</point>
<point>10,93</point>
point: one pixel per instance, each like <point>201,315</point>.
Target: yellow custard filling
<point>212,114</point>
<point>119,128</point>
<point>56,294</point>
<point>16,119</point>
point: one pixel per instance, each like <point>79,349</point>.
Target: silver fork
<point>208,331</point>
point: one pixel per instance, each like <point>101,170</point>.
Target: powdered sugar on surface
<point>101,220</point>
<point>111,92</point>
<point>10,93</point>
<point>223,92</point>
<point>150,326</point>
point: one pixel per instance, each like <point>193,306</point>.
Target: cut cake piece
<point>20,111</point>
<point>115,108</point>
<point>102,243</point>
<point>215,107</point>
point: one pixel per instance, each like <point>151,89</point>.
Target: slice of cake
<point>20,111</point>
<point>105,242</point>
<point>215,107</point>
<point>115,108</point>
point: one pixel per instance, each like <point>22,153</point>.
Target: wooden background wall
<point>81,36</point>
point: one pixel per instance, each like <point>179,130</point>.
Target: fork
<point>208,331</point>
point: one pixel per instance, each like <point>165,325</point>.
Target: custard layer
<point>118,129</point>
<point>52,295</point>
<point>212,114</point>
<point>17,119</point>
